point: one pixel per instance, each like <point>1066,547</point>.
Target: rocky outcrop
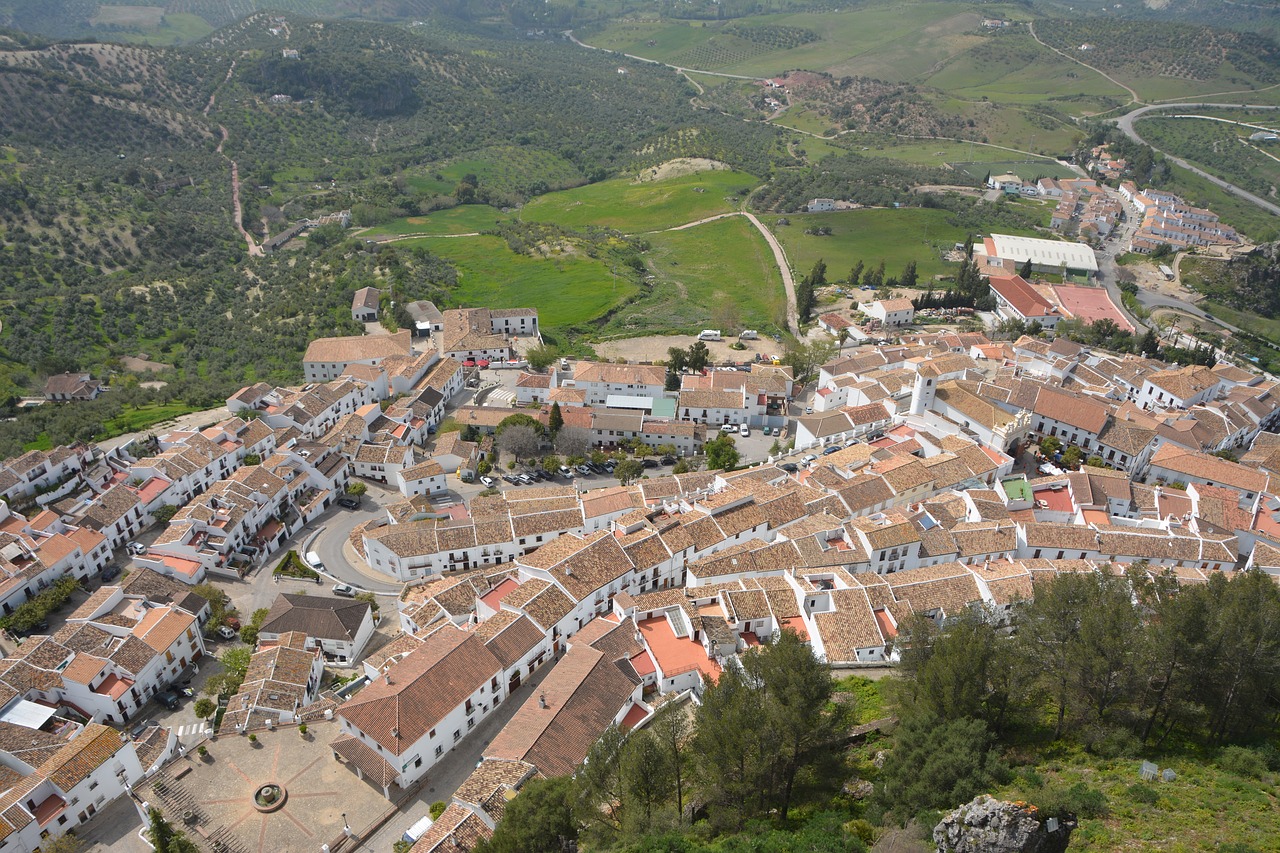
<point>988,825</point>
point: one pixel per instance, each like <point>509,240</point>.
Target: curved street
<point>1125,123</point>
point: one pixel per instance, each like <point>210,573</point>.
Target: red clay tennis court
<point>1089,304</point>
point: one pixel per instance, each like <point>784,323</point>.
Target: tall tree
<point>539,818</point>
<point>698,356</point>
<point>672,729</point>
<point>555,420</point>
<point>909,275</point>
<point>722,453</point>
<point>855,275</point>
<point>1025,271</point>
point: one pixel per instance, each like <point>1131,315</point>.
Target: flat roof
<point>627,401</point>
<point>1048,253</point>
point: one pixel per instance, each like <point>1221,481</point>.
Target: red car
<point>484,362</point>
<point>471,362</point>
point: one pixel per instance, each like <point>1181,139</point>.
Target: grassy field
<point>1016,127</point>
<point>896,42</point>
<point>1203,807</point>
<point>870,236</point>
<point>1013,67</point>
<point>463,219</point>
<point>1028,170</point>
<point>721,274</point>
<point>136,420</point>
<point>567,289</point>
<point>634,207</point>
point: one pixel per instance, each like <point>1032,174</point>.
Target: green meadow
<point>463,219</point>
<point>567,287</point>
<point>720,273</point>
<point>870,236</point>
<point>631,206</point>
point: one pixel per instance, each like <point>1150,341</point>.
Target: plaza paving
<point>215,795</point>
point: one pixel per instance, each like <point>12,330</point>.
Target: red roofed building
<point>1017,300</point>
<point>397,728</point>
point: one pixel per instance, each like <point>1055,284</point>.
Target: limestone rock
<point>988,825</point>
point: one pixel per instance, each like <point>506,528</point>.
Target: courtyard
<point>212,798</point>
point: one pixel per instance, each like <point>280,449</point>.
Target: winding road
<point>1126,121</point>
<point>1133,96</point>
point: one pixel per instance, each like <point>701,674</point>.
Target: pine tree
<point>555,420</point>
<point>1025,272</point>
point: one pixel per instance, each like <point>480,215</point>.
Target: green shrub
<point>437,809</point>
<point>1142,793</point>
<point>1242,762</point>
<point>1111,741</point>
<point>1079,800</point>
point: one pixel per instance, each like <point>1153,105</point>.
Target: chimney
<point>389,677</point>
<point>542,700</point>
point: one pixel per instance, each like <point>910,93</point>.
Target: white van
<point>710,335</point>
<point>749,335</point>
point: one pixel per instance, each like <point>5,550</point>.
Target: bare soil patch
<point>680,167</point>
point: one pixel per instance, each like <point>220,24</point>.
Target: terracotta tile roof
<point>583,694</point>
<point>1022,296</point>
<point>1184,382</point>
<point>1206,467</point>
<point>418,692</point>
<point>319,616</point>
<point>1078,411</point>
<point>852,626</point>
<point>370,763</point>
<point>457,830</point>
<point>510,636</point>
<point>91,748</point>
<point>357,348</point>
<point>949,588</point>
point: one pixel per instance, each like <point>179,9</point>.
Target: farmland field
<point>1012,67</point>
<point>718,274</point>
<point>896,42</point>
<point>870,236</point>
<point>1028,170</point>
<point>633,207</point>
<point>567,288</point>
<point>463,219</point>
<point>506,170</point>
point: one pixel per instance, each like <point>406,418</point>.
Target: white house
<point>62,786</point>
<point>398,727</point>
<point>425,478</point>
<point>364,305</point>
<point>340,627</point>
<point>890,312</point>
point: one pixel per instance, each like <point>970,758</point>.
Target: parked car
<point>566,471</point>
<point>744,430</point>
<point>789,467</point>
<point>226,632</point>
<point>233,622</point>
<point>727,427</point>
<point>110,573</point>
<point>584,470</point>
<point>344,590</point>
<point>313,560</point>
<point>609,466</point>
<point>524,479</point>
<point>349,503</point>
<point>649,462</point>
<point>807,458</point>
<point>768,430</point>
<point>835,448</point>
<point>487,482</point>
<point>169,699</point>
<point>136,548</point>
<point>668,460</point>
<point>808,410</point>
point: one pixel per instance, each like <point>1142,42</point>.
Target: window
<point>433,733</point>
<point>457,735</point>
<point>417,762</point>
<point>471,723</point>
<point>439,751</point>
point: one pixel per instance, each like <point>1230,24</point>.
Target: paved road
<point>784,266</point>
<point>1126,121</point>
